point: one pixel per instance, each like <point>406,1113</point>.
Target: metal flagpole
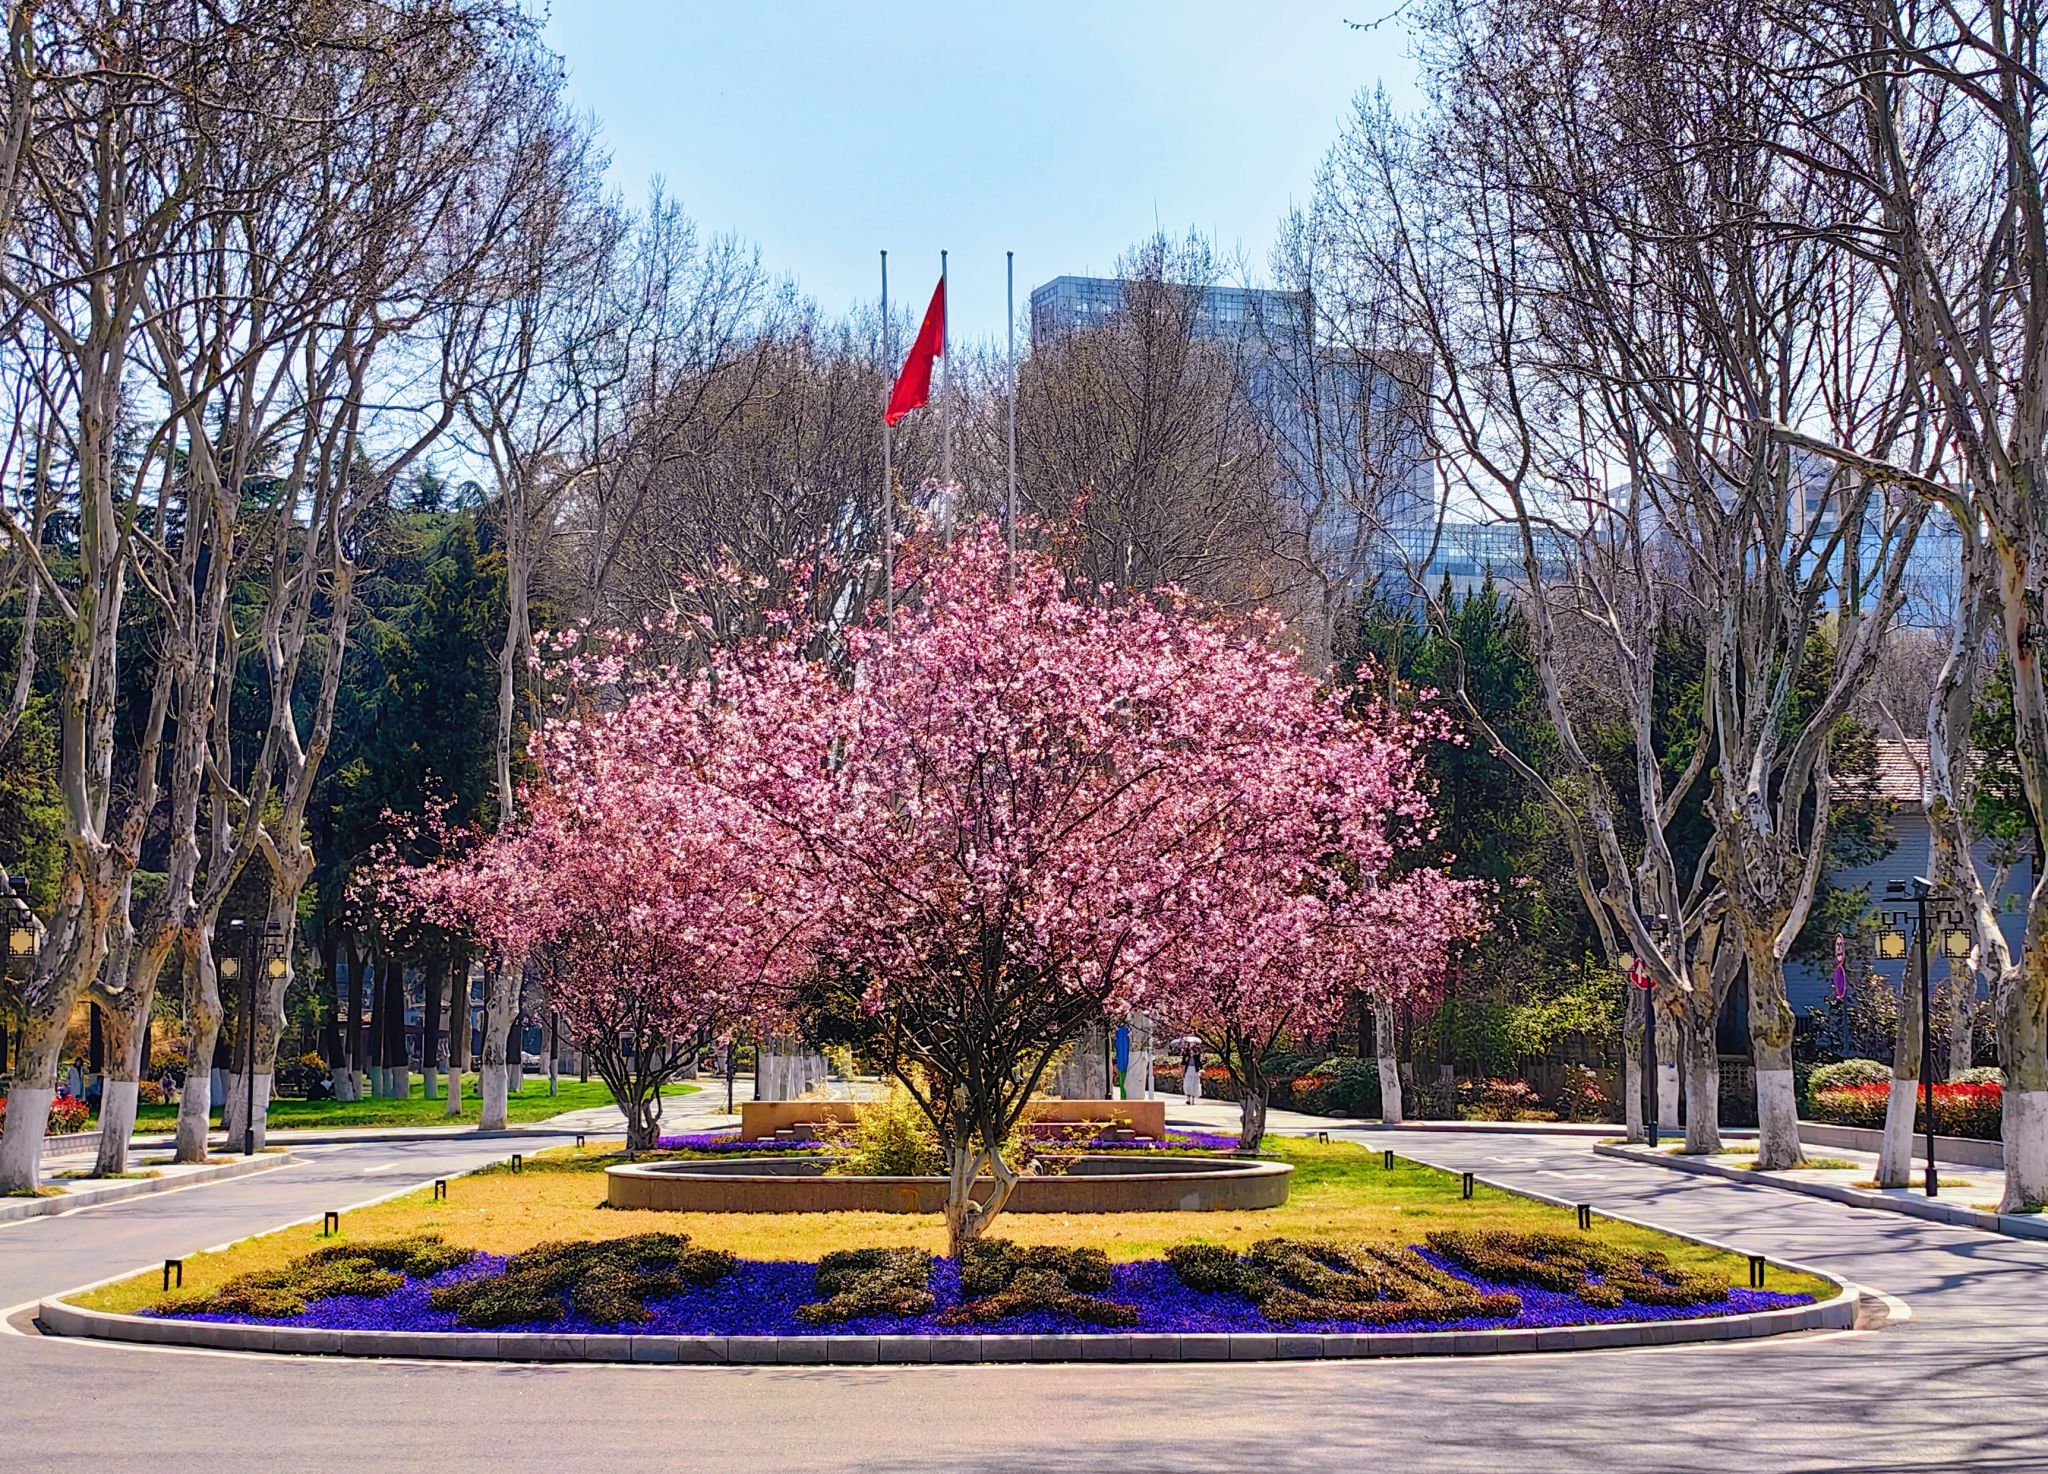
<point>1010,499</point>
<point>946,383</point>
<point>888,460</point>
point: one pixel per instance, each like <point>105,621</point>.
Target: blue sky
<point>824,131</point>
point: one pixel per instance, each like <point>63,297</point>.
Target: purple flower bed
<point>726,1141</point>
<point>760,1298</point>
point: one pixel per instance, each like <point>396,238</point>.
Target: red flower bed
<point>67,1114</point>
<point>1959,1110</point>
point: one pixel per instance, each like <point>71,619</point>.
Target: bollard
<point>1324,1137</point>
<point>330,1224</point>
<point>1585,1218</point>
<point>440,1189</point>
<point>1388,1163</point>
<point>579,1140</point>
<point>177,1267</point>
<point>1756,1271</point>
<point>518,1162</point>
<point>1466,1186</point>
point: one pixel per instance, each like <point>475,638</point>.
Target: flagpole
<point>1010,499</point>
<point>888,460</point>
<point>945,384</point>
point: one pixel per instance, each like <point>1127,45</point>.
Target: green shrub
<point>860,1282</point>
<point>1308,1280</point>
<point>1980,1075</point>
<point>889,1137</point>
<point>1599,1274</point>
<point>1847,1072</point>
<point>608,1281</point>
<point>1343,1086</point>
<point>999,1279</point>
<point>367,1271</point>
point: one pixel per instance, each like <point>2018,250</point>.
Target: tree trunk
<point>373,1028</point>
<point>1895,1152</point>
<point>352,1026</point>
<point>458,1032</point>
<point>1702,1084</point>
<point>202,1032</point>
<point>1251,1117</point>
<point>397,1074</point>
<point>1770,1036</point>
<point>966,1219</point>
<point>431,981</point>
<point>515,1049</point>
<point>498,990</point>
<point>334,1032</point>
<point>1390,1065</point>
<point>1632,1067</point>
<point>2023,1048</point>
<point>1962,997</point>
<point>127,1027</point>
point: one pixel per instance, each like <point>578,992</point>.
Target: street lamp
<point>21,945</point>
<point>1893,943</point>
<point>1637,970</point>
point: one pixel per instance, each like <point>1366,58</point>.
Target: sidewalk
<point>1967,1197</point>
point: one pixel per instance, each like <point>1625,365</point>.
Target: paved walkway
<point>1958,1386</point>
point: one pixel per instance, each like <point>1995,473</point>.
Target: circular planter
<point>1098,1184</point>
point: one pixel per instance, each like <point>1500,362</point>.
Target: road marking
<point>384,1167</point>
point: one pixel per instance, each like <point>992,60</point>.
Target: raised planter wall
<point>1091,1185</point>
<point>763,1118</point>
<point>1969,1151</point>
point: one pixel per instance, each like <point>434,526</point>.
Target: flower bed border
<point>59,1318</point>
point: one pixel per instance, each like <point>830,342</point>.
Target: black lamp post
<point>273,970</point>
<point>1922,892</point>
<point>21,942</point>
<point>234,968</point>
<point>1637,971</point>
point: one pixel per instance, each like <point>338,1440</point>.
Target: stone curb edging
<point>1961,1151</point>
<point>61,1319</point>
<point>116,1190</point>
<point>2012,1225</point>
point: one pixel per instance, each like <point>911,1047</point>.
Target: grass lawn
<point>1340,1191</point>
<point>531,1104</point>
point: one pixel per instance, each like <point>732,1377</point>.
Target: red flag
<point>914,385</point>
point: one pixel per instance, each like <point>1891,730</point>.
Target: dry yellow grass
<point>1339,1191</point>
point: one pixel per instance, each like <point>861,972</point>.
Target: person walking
<point>1190,1073</point>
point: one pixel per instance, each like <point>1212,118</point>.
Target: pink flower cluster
<point>1036,792</point>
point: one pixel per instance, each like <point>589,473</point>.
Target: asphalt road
<point>1961,1384</point>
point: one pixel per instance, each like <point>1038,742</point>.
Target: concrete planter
<point>1098,1184</point>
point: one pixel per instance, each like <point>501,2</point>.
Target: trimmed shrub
<point>1580,1098</point>
<point>609,1281</point>
<point>1959,1110</point>
<point>1847,1072</point>
<point>999,1279</point>
<point>1314,1280</point>
<point>859,1282</point>
<point>148,1092</point>
<point>1599,1274</point>
<point>1980,1075</point>
<point>1499,1099</point>
<point>367,1271</point>
<point>1339,1087</point>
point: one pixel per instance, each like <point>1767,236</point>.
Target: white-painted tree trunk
<point>341,1083</point>
<point>454,1107</point>
<point>500,991</point>
<point>1632,1068</point>
<point>1667,1085</point>
<point>231,1104</point>
<point>21,1149</point>
<point>1390,1066</point>
<point>399,1081</point>
<point>1777,1119</point>
<point>1895,1152</point>
<point>430,1087</point>
<point>117,1125</point>
<point>2025,1133</point>
<point>495,1092</point>
<point>265,1083</point>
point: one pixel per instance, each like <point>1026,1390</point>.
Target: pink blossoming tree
<point>650,904</point>
<point>1038,805</point>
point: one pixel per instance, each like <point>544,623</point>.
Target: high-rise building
<point>1350,430</point>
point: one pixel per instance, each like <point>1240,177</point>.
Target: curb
<point>116,1191</point>
<point>2011,1225</point>
<point>60,1319</point>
